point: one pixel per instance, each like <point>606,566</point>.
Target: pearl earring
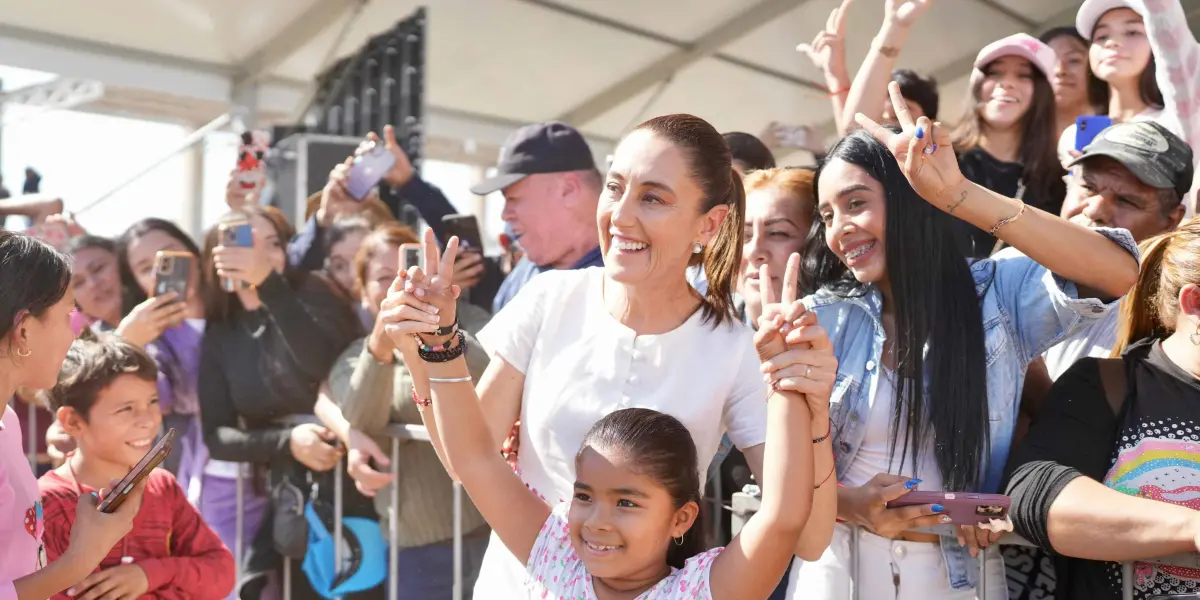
<point>697,248</point>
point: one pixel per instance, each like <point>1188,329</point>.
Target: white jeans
<point>917,566</point>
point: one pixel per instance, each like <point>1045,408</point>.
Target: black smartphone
<point>466,227</point>
<point>235,233</point>
<point>172,272</point>
<point>116,497</point>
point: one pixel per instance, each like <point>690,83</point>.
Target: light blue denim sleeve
<point>1043,307</point>
<point>714,468</point>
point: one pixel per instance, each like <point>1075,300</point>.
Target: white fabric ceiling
<point>493,63</point>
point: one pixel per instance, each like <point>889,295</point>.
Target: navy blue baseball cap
<point>550,147</point>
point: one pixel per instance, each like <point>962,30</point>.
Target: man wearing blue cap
<point>551,189</point>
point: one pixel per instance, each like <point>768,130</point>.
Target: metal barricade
<point>397,432</point>
<point>744,505</point>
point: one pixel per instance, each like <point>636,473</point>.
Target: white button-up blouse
<point>580,364</point>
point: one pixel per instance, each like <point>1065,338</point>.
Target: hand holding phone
<point>411,255</point>
<point>235,234</point>
<point>121,492</point>
<point>368,170</point>
<point>963,508</point>
<point>172,273</point>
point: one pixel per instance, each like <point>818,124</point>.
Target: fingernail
<point>920,133</point>
<point>95,495</point>
<point>435,309</point>
<point>937,508</point>
<point>946,518</point>
<point>912,483</point>
<point>71,592</point>
<point>974,553</point>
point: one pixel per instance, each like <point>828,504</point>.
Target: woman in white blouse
<point>574,346</point>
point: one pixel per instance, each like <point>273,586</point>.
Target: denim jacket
<point>1026,309</point>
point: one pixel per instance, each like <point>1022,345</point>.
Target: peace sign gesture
<point>828,50</point>
<point>922,148</point>
<point>795,350</point>
<point>420,300</point>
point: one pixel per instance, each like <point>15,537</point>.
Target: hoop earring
<point>678,541</point>
<point>1194,338</point>
<point>23,353</point>
<point>697,248</point>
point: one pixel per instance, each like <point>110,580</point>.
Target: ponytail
<point>723,257</point>
<point>1140,308</point>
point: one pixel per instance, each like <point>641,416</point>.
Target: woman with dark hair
<point>170,329</point>
<point>267,347</point>
<point>1077,91</point>
<point>1145,53</point>
<point>36,304</point>
<point>931,348</point>
<point>96,281</point>
<point>574,346</point>
<point>1005,141</point>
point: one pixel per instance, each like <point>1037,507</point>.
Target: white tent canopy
<point>493,64</point>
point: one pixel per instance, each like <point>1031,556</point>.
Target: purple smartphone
<point>367,170</point>
<point>963,508</point>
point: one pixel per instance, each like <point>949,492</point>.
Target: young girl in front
<point>631,529</point>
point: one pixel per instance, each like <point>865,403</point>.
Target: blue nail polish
<point>95,495</point>
<point>920,133</point>
<point>937,508</point>
<point>912,483</point>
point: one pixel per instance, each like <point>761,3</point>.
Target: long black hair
<point>663,450</point>
<point>133,294</point>
<point>936,306</point>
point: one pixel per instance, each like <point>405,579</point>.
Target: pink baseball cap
<point>1019,44</point>
<point>1091,10</point>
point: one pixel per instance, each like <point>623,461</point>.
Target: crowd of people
<point>1008,306</point>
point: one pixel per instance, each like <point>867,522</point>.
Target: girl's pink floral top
<point>555,571</point>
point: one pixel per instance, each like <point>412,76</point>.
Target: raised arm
<point>828,53</point>
<point>869,92</point>
<point>513,511</point>
<point>758,556</point>
<point>1071,251</point>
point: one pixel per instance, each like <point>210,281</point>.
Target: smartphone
<point>367,170</point>
<point>153,458</point>
<point>235,233</point>
<point>250,158</point>
<point>1087,128</point>
<point>466,227</point>
<point>172,272</point>
<point>412,255</point>
<point>963,508</point>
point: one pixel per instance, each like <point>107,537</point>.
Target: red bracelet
<point>831,471</point>
<point>419,401</point>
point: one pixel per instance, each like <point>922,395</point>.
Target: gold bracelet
<point>1006,221</point>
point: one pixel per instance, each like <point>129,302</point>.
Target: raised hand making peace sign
<point>422,300</point>
<point>793,347</point>
<point>922,148</point>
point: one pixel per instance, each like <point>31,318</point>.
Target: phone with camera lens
<point>235,233</point>
<point>172,273</point>
<point>1087,128</point>
<point>962,508</point>
<point>116,497</point>
<point>368,170</point>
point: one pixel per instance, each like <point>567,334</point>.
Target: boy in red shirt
<point>107,400</point>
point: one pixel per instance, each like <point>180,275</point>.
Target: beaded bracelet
<point>827,432</point>
<point>419,401</point>
<point>443,352</point>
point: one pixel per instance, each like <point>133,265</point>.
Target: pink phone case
<point>962,507</point>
